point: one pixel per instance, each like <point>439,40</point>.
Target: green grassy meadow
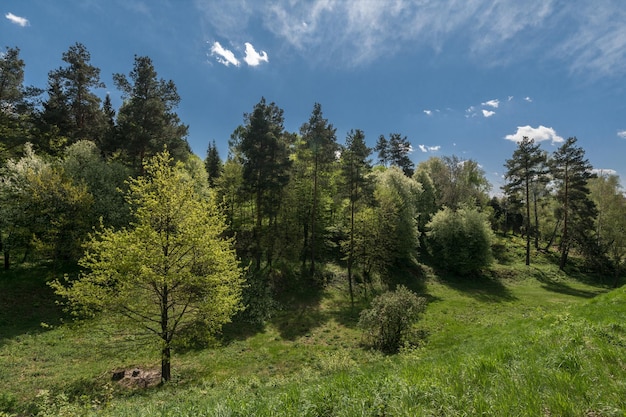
<point>517,341</point>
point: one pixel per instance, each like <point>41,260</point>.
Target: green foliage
<point>388,321</point>
<point>171,272</point>
<point>460,241</point>
<point>43,205</point>
<point>577,212</point>
<point>147,120</point>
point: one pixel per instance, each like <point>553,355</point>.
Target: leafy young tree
<point>457,182</point>
<point>44,206</point>
<point>523,171</point>
<point>571,171</point>
<point>147,120</point>
<point>386,235</point>
<point>171,274</point>
<point>460,240</point>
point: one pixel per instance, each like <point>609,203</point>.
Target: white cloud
<point>539,134</point>
<point>528,99</point>
<point>428,112</point>
<point>622,134</point>
<point>357,32</point>
<point>491,103</point>
<point>223,56</point>
<point>604,172</point>
<point>254,58</point>
<point>510,98</point>
<point>21,21</point>
<point>425,148</point>
<point>488,113</point>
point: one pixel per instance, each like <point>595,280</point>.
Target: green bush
<point>388,321</point>
<point>460,241</point>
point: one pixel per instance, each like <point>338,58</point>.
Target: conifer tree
<point>577,211</point>
<point>523,171</point>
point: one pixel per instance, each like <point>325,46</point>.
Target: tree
<point>355,166</point>
<point>16,108</point>
<point>457,182</point>
<point>44,207</point>
<point>386,235</point>
<point>460,240</point>
<point>523,171</point>
<point>395,151</point>
<point>147,120</point>
<point>84,164</point>
<point>571,171</point>
<point>265,158</point>
<point>213,164</point>
<point>320,145</point>
<point>171,274</point>
<point>388,321</point>
<point>71,91</point>
<point>610,226</point>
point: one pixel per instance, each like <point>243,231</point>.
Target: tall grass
<point>517,342</point>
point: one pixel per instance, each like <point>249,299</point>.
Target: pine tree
<point>355,166</point>
<point>523,172</point>
<point>72,106</point>
<point>320,143</point>
<point>213,164</point>
<point>147,120</point>
<point>577,212</point>
<point>265,170</point>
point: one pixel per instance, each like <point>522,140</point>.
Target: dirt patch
<point>136,377</point>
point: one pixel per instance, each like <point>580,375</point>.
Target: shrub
<point>460,241</point>
<point>388,321</point>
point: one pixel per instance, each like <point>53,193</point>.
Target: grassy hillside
<point>517,341</point>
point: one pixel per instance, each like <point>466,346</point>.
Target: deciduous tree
<point>171,273</point>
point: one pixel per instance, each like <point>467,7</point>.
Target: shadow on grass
<point>301,310</point>
<point>481,287</point>
<point>562,288</point>
<point>26,301</point>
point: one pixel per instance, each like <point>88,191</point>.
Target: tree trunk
<point>7,260</point>
<point>350,255</point>
<point>166,354</point>
<point>536,229</point>
<point>314,217</point>
<point>528,233</point>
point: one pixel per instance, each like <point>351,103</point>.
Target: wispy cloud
<point>18,20</point>
<point>425,148</point>
<point>622,134</point>
<point>600,172</point>
<point>223,56</point>
<point>488,113</point>
<point>584,36</point>
<point>428,112</point>
<point>539,134</point>
<point>491,103</point>
<point>254,58</point>
<point>528,99</point>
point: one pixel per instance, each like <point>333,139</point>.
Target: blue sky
<point>457,77</point>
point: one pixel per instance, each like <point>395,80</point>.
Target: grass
<point>517,341</point>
